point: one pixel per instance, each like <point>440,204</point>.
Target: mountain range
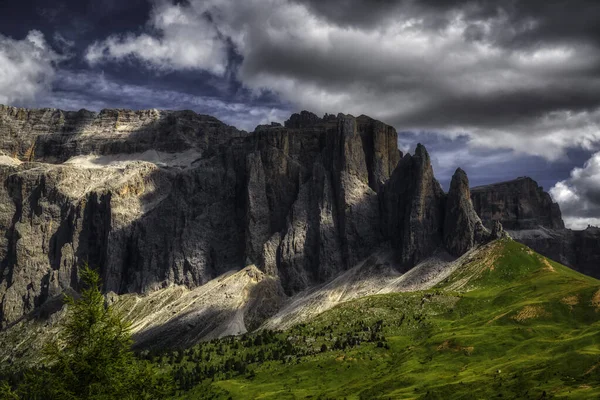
<point>200,230</point>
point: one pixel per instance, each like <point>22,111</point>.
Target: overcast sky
<point>500,88</point>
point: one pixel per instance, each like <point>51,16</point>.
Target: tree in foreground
<point>92,358</point>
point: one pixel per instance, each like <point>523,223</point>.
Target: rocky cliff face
<point>413,208</point>
<point>462,227</point>
<point>518,204</point>
<point>54,136</point>
<point>156,199</point>
<point>531,217</point>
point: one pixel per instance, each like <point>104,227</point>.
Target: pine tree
<point>92,358</point>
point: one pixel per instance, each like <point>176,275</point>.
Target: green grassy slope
<point>508,324</point>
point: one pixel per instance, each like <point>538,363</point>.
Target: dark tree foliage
<point>91,358</point>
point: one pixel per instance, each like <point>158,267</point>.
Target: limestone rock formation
<point>462,227</point>
<point>498,231</point>
<point>518,204</point>
<point>381,150</point>
<point>145,225</point>
<point>332,220</point>
<point>162,199</point>
<point>413,205</point>
<point>50,135</point>
<point>304,119</point>
<point>530,217</point>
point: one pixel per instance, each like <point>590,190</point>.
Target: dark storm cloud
<point>513,83</point>
<point>559,21</point>
<point>506,109</point>
<point>554,20</point>
<point>371,13</point>
<point>353,12</point>
<point>543,59</point>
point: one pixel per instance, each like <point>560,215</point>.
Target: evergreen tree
<point>91,358</point>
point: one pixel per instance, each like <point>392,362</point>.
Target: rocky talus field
<point>305,260</point>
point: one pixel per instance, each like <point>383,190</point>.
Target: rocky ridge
<point>532,218</point>
<point>157,199</point>
<point>462,227</point>
<point>519,204</point>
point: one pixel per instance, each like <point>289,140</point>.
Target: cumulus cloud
<point>579,195</point>
<point>495,72</point>
<point>27,68</point>
<point>181,38</point>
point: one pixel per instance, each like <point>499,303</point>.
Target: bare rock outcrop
<point>357,204</point>
<point>462,227</point>
<point>498,231</point>
<point>157,199</point>
<point>145,225</point>
<point>104,189</point>
<point>413,204</point>
<point>51,135</point>
<point>380,142</point>
<point>333,220</point>
<point>304,119</point>
<point>532,218</point>
<point>518,204</point>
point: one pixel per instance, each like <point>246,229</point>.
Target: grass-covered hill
<point>509,323</point>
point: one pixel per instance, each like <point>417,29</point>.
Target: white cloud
<point>184,39</point>
<point>579,195</point>
<point>547,135</point>
<point>27,68</point>
<point>580,223</point>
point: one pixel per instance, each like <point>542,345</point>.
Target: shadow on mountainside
<point>61,216</point>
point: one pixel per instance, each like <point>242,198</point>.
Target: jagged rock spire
<point>462,227</point>
<point>413,208</point>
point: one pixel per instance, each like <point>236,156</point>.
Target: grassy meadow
<point>508,324</point>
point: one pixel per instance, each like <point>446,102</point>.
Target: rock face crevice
<point>380,144</point>
<point>155,199</point>
<point>413,208</point>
